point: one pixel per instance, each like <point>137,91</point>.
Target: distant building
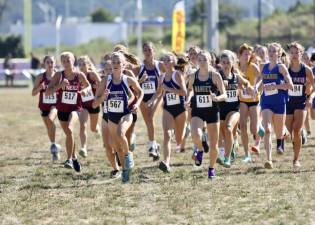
<point>73,34</point>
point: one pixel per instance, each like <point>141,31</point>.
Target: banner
<point>178,27</point>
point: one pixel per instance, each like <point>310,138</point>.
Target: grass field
<point>35,191</point>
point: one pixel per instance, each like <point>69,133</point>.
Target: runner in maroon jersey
<point>47,103</point>
<point>69,84</point>
<point>87,67</point>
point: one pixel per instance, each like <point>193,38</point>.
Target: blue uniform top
<point>313,69</point>
<point>297,95</point>
<point>273,76</point>
<point>169,98</point>
<point>117,100</point>
<point>149,86</point>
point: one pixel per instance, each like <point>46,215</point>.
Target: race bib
<point>245,94</point>
<point>172,99</point>
<point>272,92</point>
<point>105,107</point>
<point>69,97</point>
<point>89,96</point>
<point>297,90</point>
<point>204,101</point>
<point>50,99</point>
<point>116,106</point>
<point>232,96</point>
<point>148,87</point>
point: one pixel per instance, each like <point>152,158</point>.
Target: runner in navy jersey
<point>86,66</point>
<point>150,69</point>
<point>229,109</point>
<point>275,83</point>
<point>69,84</point>
<point>118,96</point>
<point>47,103</point>
<point>303,81</point>
<point>203,95</point>
<point>172,87</point>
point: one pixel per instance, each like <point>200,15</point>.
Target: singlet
<point>172,99</point>
<point>46,101</point>
<point>297,95</point>
<point>117,100</point>
<point>89,97</point>
<point>201,98</point>
<point>273,76</point>
<point>150,85</point>
<point>231,89</point>
<point>68,99</point>
<point>250,76</point>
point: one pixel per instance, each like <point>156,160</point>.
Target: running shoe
<point>205,142</point>
<point>220,160</point>
<point>280,150</point>
<point>255,149</point>
<point>83,152</point>
<point>304,136</point>
<point>198,160</point>
<point>68,164</point>
<point>261,131</point>
<point>76,165</point>
<point>125,176</point>
<point>211,173</point>
<point>156,155</point>
<point>132,146</point>
<point>268,165</point>
<point>227,162</point>
<point>233,153</point>
<point>247,159</point>
<point>55,156</point>
<point>129,163</point>
<point>309,134</point>
<point>115,174</point>
<point>54,148</point>
<point>164,167</point>
<point>187,131</point>
<point>296,165</point>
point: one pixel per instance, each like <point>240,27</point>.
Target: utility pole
<point>259,21</point>
<point>213,19</point>
<point>139,28</point>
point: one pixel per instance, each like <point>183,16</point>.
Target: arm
<point>84,83</point>
<point>217,80</point>
<point>288,84</point>
<point>96,78</point>
<point>190,88</point>
<point>309,87</point>
<point>158,93</point>
<point>55,84</point>
<point>38,85</point>
<point>101,94</point>
<point>138,91</point>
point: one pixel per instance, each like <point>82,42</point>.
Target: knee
<point>120,134</point>
<point>228,129</point>
<point>69,131</point>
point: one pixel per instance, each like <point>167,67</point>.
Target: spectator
<point>35,66</point>
<point>8,67</point>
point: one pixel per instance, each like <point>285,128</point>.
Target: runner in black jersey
<point>204,88</point>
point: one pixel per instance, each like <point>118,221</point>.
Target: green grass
<point>35,191</point>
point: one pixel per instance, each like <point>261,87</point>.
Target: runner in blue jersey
<point>203,95</point>
<point>302,79</point>
<point>118,98</point>
<point>174,115</point>
<point>149,73</point>
<point>275,84</point>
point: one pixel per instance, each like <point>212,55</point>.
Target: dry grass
<point>35,191</point>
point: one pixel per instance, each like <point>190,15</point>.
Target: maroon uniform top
<point>89,97</point>
<point>69,99</point>
<point>46,101</point>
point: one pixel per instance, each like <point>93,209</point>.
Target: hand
<point>309,102</point>
<point>214,97</point>
<point>134,107</point>
<point>187,104</point>
<point>42,86</point>
<point>143,78</point>
<point>250,91</point>
<point>150,103</point>
<point>226,83</point>
<point>105,94</point>
<point>64,83</point>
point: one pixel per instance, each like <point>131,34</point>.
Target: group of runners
<point>209,97</point>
